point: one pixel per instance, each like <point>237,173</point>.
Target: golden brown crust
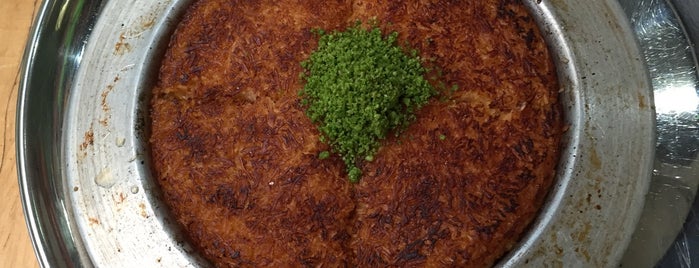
<point>237,159</point>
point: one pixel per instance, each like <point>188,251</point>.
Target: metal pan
<point>83,157</point>
<point>662,31</point>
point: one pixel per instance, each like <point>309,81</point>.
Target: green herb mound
<point>359,87</point>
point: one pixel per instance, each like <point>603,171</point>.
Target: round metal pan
<point>83,159</point>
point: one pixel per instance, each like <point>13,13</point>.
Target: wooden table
<point>16,17</point>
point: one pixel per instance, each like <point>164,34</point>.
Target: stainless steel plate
<point>83,158</point>
<point>672,65</point>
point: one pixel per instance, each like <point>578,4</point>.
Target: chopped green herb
<point>442,137</point>
<point>359,86</point>
<point>323,155</point>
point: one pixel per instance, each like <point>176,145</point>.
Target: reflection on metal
<point>61,14</point>
<point>687,11</point>
<point>676,99</point>
<point>54,38</point>
<point>672,66</point>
